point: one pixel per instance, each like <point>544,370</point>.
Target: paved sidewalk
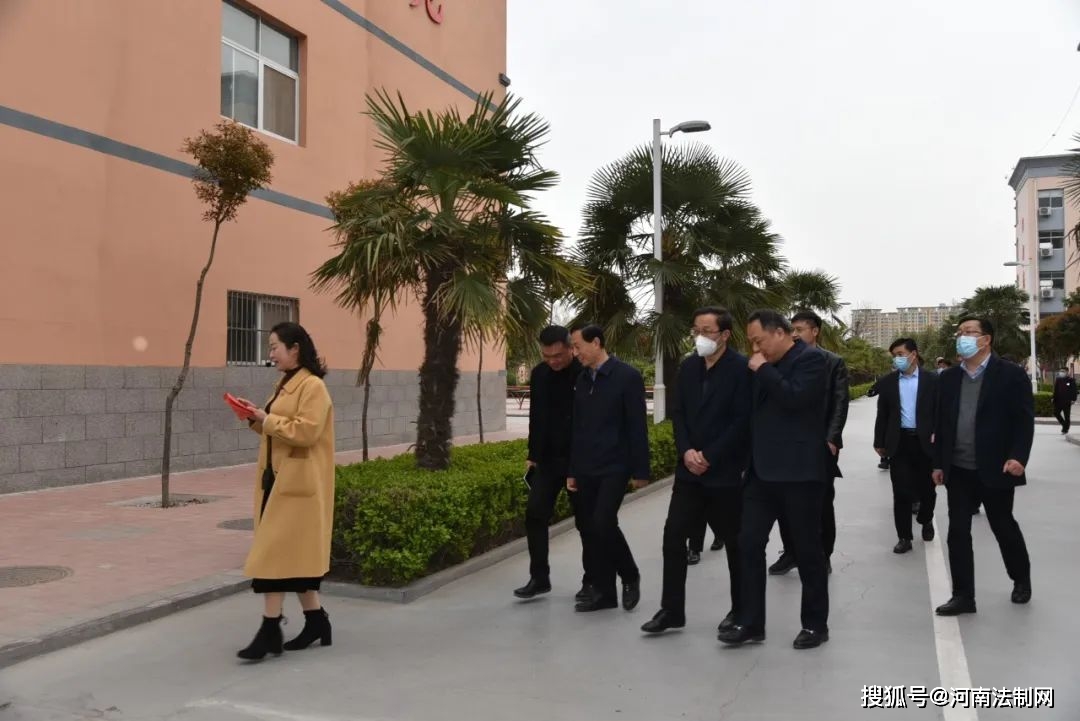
<point>471,652</point>
<point>128,564</point>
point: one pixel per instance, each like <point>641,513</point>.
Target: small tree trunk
<point>438,377</point>
<point>371,345</point>
<point>479,395</point>
<point>179,385</point>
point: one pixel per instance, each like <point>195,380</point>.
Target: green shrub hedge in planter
<point>859,391</point>
<point>395,523</point>
<point>1044,405</point>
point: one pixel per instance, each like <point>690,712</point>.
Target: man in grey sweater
<point>984,430</point>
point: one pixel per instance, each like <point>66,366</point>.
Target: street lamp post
<point>690,126</point>
<point>1033,314</point>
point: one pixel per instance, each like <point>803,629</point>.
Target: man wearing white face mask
<point>904,432</point>
<point>711,417</point>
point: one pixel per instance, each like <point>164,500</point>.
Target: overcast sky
<point>879,135</point>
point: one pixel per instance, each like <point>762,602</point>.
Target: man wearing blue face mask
<point>904,432</point>
<point>985,425</point>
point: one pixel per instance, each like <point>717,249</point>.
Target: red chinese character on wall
<point>433,11</point>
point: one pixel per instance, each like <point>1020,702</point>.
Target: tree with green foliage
<point>717,248</point>
<point>231,163</point>
<point>1006,307</point>
<point>1057,337</point>
<point>450,221</point>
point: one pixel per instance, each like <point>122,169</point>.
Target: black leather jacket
<point>839,399</point>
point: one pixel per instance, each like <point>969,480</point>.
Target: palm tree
<point>819,292</point>
<point>1072,185</point>
<point>449,221</point>
<point>1006,307</point>
<point>717,249</point>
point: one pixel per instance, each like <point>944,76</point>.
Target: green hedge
<point>1044,405</point>
<point>859,391</point>
<point>395,523</point>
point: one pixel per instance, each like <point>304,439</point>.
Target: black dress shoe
<point>533,588</point>
<point>631,594</point>
<point>584,594</point>
<point>928,531</point>
<point>902,546</point>
<point>595,603</point>
<point>728,622</point>
<point>810,639</point>
<point>717,544</point>
<point>883,464</point>
<point>956,606</point>
<point>1021,592</point>
<point>662,621</point>
<point>785,563</point>
<point>693,558</point>
<point>738,635</point>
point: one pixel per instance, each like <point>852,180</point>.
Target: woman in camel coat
<point>294,493</point>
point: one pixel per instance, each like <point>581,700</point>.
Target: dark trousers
<point>696,540</point>
<point>912,482</point>
<point>799,504</point>
<point>543,495</point>
<point>607,554</point>
<point>963,488</point>
<point>828,515</point>
<point>1063,413</point>
<point>692,506</point>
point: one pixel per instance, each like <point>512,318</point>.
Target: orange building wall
<point>107,250</point>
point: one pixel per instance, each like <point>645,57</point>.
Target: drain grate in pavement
<point>238,524</point>
<point>15,576</point>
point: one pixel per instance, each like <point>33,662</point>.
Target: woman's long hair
<point>292,334</point>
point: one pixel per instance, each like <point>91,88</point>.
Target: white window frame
<point>262,63</point>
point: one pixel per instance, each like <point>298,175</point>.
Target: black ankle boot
<point>316,628</point>
<point>267,640</point>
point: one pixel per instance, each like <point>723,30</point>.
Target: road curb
<point>127,614</point>
<point>428,584</point>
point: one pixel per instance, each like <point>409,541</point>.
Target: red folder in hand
<point>241,411</point>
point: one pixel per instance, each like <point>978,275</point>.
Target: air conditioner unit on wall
<point>1046,252</point>
<point>1044,212</point>
<point>1046,292</point>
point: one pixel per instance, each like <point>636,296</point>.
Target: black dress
<point>280,585</point>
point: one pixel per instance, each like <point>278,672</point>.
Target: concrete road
<point>470,651</point>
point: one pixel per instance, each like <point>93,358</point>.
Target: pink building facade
<point>104,238</point>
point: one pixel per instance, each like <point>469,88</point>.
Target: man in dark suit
<point>551,403</point>
<point>786,477</point>
<point>904,431</point>
<point>711,417</point>
<point>609,447</point>
<point>807,327</point>
<point>985,425</point>
<point>1063,399</point>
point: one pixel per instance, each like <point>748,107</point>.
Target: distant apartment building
<point>881,328</point>
<point>1044,217</point>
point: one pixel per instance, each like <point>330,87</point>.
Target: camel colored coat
<point>292,538</point>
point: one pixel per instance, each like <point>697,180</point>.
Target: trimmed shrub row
<point>395,523</point>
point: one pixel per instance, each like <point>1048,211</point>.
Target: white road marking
<point>267,712</point>
<point>952,661</point>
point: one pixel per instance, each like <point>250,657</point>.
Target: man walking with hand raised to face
<point>786,477</point>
